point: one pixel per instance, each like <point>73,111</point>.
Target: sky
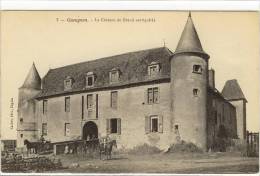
<point>53,39</point>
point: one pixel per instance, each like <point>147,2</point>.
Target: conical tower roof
<point>232,90</point>
<point>33,79</point>
<point>189,41</point>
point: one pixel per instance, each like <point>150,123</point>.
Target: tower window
<point>21,135</point>
<point>176,127</point>
<point>197,69</point>
<point>21,120</point>
<point>195,92</point>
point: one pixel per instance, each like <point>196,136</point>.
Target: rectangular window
<point>90,80</point>
<point>114,126</point>
<point>154,124</point>
<point>114,76</point>
<point>67,129</point>
<point>195,92</point>
<point>67,104</point>
<point>153,95</point>
<point>197,69</point>
<point>114,99</point>
<point>44,129</point>
<point>89,101</point>
<point>153,70</point>
<point>67,84</point>
<point>44,106</point>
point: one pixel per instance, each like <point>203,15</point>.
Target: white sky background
<point>230,38</point>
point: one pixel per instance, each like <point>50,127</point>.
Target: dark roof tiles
<point>33,79</point>
<point>132,65</point>
<point>189,41</point>
<point>232,90</point>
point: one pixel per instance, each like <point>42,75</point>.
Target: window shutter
<point>160,129</point>
<point>108,126</point>
<point>158,98</point>
<point>118,126</point>
<point>97,106</point>
<point>93,114</point>
<point>146,96</point>
<point>147,124</point>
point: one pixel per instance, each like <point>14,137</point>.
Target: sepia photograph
<point>173,92</point>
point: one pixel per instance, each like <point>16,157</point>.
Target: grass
<point>184,147</point>
<point>165,163</point>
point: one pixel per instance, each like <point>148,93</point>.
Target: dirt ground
<point>217,163</point>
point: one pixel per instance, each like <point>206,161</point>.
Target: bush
<point>184,147</point>
<point>144,149</point>
<point>238,145</point>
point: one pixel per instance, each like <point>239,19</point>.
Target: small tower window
<point>195,92</point>
<point>21,120</point>
<point>68,83</point>
<point>90,79</point>
<point>197,69</point>
<point>114,75</point>
<point>21,135</point>
<point>153,69</point>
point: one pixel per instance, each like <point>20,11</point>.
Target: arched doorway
<point>90,131</point>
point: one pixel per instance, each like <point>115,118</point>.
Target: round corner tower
<point>26,122</point>
<point>189,82</point>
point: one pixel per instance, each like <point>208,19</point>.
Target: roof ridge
<point>107,57</point>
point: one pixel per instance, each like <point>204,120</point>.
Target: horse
<point>31,145</point>
<point>106,148</point>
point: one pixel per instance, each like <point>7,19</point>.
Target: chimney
<point>212,78</point>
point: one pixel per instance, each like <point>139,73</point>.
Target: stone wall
<point>220,112</point>
<point>132,110</point>
<point>241,117</point>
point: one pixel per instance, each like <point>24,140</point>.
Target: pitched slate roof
<point>133,67</point>
<point>232,90</point>
<point>189,41</point>
<point>33,79</point>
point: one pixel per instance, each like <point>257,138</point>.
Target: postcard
<point>171,92</point>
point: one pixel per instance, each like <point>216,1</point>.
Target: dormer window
<point>153,69</point>
<point>114,75</point>
<point>197,69</point>
<point>68,83</point>
<point>90,79</point>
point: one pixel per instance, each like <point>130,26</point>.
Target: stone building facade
<point>152,96</point>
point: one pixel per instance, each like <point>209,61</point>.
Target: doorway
<point>90,131</point>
